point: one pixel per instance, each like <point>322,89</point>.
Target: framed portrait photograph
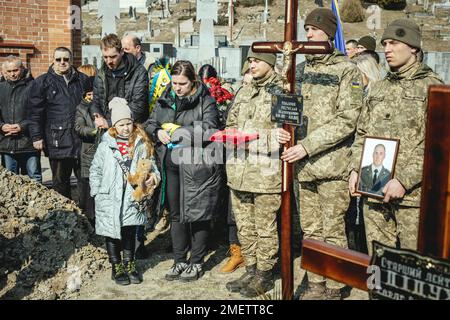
<point>377,165</point>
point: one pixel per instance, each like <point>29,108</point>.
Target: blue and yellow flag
<point>339,41</point>
<point>159,82</point>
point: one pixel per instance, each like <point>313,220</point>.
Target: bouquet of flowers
<point>220,94</point>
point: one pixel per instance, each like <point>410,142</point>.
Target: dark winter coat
<point>134,89</point>
<point>201,178</point>
<point>52,107</point>
<point>85,128</point>
<point>13,110</point>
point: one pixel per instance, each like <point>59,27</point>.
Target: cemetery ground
<point>49,254</point>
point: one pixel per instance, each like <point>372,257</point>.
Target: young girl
<point>117,215</point>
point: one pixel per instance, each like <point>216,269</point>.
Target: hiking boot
<point>244,280</point>
<point>333,294</point>
<point>192,273</point>
<point>132,272</point>
<point>119,275</point>
<point>315,291</point>
<point>175,271</point>
<point>260,284</point>
<point>236,260</point>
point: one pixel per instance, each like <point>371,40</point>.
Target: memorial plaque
<point>287,108</point>
<point>400,274</point>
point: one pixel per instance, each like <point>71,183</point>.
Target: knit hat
<point>368,42</point>
<point>324,19</point>
<point>405,31</point>
<point>119,110</point>
<point>270,58</point>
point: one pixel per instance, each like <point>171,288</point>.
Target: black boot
<point>260,284</point>
<point>244,280</point>
<point>132,272</point>
<point>119,275</point>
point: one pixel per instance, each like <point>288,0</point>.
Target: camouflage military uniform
<point>254,173</point>
<point>396,108</point>
<point>332,91</point>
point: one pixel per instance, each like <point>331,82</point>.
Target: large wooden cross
<point>350,267</point>
<point>289,48</point>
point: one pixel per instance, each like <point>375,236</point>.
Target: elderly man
<point>15,142</point>
<point>53,100</point>
<point>132,45</point>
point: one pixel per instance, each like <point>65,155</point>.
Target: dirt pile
<point>48,250</point>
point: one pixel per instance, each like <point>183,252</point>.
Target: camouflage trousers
<point>256,220</point>
<point>323,206</point>
<point>386,223</point>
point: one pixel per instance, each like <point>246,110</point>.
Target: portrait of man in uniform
<point>377,166</point>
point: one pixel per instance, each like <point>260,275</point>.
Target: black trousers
<point>127,243</point>
<point>61,172</point>
<point>185,236</point>
<point>87,203</point>
<point>232,228</point>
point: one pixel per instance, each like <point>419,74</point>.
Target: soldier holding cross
<point>333,97</point>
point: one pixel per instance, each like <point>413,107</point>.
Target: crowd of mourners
<point>136,134</point>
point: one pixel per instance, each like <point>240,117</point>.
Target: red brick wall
<point>43,24</point>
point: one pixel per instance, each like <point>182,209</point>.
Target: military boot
<point>119,275</point>
<point>315,291</point>
<point>244,280</point>
<point>236,260</point>
<point>260,284</point>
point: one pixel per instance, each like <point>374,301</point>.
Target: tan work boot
<point>236,260</point>
<point>315,291</point>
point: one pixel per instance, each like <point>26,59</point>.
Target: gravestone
<point>108,11</point>
<point>206,14</point>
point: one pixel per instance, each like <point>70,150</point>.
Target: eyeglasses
<point>64,59</point>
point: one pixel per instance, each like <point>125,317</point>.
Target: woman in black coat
<point>181,123</point>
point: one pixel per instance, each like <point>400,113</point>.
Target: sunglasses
<point>64,59</point>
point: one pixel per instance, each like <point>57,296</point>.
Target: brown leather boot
<point>315,291</point>
<point>236,260</point>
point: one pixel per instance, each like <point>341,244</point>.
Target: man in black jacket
<point>121,75</point>
<point>53,99</point>
<point>15,142</point>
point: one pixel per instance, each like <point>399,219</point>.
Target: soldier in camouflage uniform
<point>396,108</point>
<point>254,176</point>
<point>332,94</point>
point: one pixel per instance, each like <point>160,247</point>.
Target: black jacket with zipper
<point>52,106</point>
<point>13,110</point>
<point>201,182</point>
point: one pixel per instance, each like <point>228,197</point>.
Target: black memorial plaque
<point>287,108</point>
<point>400,274</point>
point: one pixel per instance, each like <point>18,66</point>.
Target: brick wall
<point>32,29</point>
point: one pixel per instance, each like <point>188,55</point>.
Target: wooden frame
<point>387,172</point>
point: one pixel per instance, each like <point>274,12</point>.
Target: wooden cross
<point>290,47</point>
<point>350,267</point>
